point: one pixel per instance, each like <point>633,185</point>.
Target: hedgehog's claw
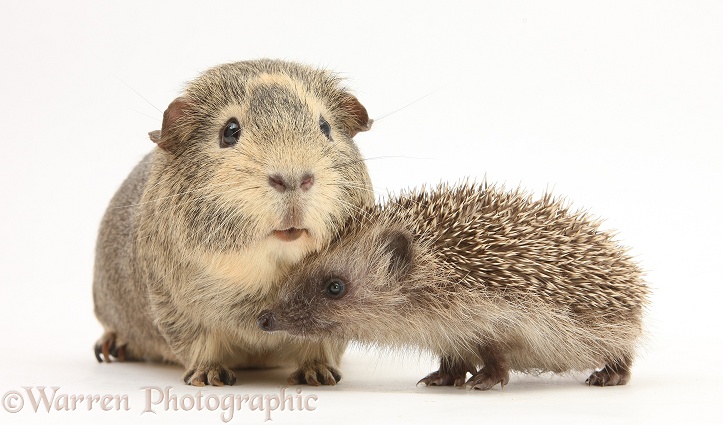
<point>452,371</point>
<point>440,378</point>
<point>608,376</point>
<point>487,378</point>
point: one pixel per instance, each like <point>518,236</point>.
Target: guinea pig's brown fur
<point>255,167</point>
<point>479,276</point>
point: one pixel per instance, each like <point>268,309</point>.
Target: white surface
<point>617,106</point>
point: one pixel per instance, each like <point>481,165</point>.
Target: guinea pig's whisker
<point>349,185</point>
<point>356,161</point>
<point>407,105</point>
<point>175,195</point>
<point>140,95</point>
<point>205,197</point>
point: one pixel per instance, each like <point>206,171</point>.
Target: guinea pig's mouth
<point>289,235</point>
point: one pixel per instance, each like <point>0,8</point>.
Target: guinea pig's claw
<point>108,346</point>
<point>316,373</point>
<point>213,374</point>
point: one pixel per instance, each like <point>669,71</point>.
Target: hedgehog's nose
<point>266,320</point>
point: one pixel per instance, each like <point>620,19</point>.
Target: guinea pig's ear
<point>155,136</point>
<point>165,137</point>
<point>398,243</point>
<point>355,115</point>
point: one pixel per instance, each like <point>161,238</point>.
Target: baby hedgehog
<point>481,277</point>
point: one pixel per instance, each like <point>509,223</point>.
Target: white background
<point>616,105</point>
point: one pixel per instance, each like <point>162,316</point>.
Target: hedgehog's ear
<point>165,138</point>
<point>398,243</point>
<point>355,115</point>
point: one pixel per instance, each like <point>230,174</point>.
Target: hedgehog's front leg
<point>494,372</point>
<point>452,371</point>
<point>616,372</point>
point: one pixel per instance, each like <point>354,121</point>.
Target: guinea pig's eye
<point>325,127</point>
<point>335,288</point>
<point>230,134</point>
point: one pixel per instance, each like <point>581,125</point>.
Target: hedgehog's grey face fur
<point>334,293</point>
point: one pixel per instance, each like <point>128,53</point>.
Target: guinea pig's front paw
<point>488,377</point>
<point>214,374</point>
<point>109,345</point>
<point>315,373</point>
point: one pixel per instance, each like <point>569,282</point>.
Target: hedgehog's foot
<point>214,374</point>
<point>108,345</point>
<point>488,377</point>
<point>451,372</point>
<point>494,371</point>
<point>315,373</point>
<point>440,378</point>
<point>612,374</point>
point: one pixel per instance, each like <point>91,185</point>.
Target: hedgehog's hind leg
<point>495,370</point>
<point>452,371</point>
<point>614,373</point>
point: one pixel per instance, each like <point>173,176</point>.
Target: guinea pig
<point>254,167</point>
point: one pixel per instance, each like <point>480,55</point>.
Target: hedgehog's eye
<point>325,127</point>
<point>230,134</point>
<point>335,288</point>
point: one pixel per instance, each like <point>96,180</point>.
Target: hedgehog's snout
<point>266,321</point>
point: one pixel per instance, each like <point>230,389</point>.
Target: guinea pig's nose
<point>266,320</point>
<point>283,183</point>
<point>307,180</point>
<point>278,182</point>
